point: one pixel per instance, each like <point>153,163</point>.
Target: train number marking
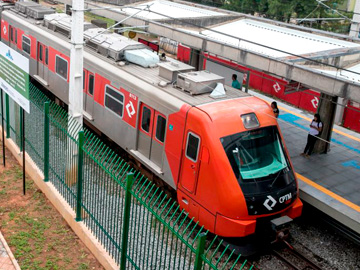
<point>130,109</point>
<point>266,203</point>
<point>132,96</point>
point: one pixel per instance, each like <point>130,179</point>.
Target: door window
<point>160,128</point>
<point>192,146</point>
<point>91,84</point>
<point>145,121</point>
<point>46,56</point>
<point>40,52</point>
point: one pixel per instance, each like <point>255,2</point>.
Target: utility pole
<point>75,87</point>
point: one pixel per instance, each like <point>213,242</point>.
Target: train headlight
<point>250,120</point>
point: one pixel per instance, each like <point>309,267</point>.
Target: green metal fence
<point>136,222</point>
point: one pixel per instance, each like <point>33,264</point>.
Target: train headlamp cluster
<point>250,120</point>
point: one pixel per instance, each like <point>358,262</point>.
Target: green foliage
<point>284,10</point>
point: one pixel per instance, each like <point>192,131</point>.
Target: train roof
<point>149,75</point>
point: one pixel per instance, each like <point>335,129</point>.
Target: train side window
<point>192,146</point>
<point>61,67</point>
<point>46,56</point>
<point>11,33</point>
<point>84,79</point>
<point>114,101</point>
<point>91,84</point>
<point>26,44</point>
<point>145,119</point>
<point>160,128</point>
<point>41,52</point>
<point>15,36</point>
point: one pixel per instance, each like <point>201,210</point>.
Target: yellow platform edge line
<point>328,192</point>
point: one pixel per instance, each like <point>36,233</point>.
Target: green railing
<point>136,222</point>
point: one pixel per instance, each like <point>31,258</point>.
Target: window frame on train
<point>163,132</point>
<point>187,146</point>
<point>56,67</point>
<point>106,94</point>
<point>88,84</point>
<point>46,55</point>
<point>27,44</point>
<point>142,119</point>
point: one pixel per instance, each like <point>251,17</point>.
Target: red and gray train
<point>224,155</point>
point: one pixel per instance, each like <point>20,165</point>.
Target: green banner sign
<point>14,76</point>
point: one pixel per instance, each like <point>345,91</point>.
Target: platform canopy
<point>312,57</point>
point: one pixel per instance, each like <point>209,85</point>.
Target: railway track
<point>293,259</point>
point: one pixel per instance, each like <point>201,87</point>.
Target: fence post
<point>46,141</point>
<point>125,231</point>
<point>21,129</point>
<point>79,176</point>
<point>200,251</point>
<point>7,116</point>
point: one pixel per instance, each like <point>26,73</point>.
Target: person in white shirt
<point>315,129</point>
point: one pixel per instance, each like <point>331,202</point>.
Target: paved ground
<point>7,260</point>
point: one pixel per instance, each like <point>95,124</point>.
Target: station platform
<point>329,182</point>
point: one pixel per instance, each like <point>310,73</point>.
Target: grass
<point>37,235</point>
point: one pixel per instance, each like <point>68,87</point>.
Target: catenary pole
<point>75,89</point>
<point>76,62</point>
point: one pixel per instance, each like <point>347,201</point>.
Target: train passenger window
<point>160,128</point>
<point>46,56</point>
<point>91,84</point>
<point>11,33</point>
<point>145,119</point>
<point>15,36</point>
<point>192,146</point>
<point>40,52</point>
<point>61,67</point>
<point>114,101</point>
<point>26,44</point>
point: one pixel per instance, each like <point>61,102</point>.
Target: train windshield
<point>256,154</point>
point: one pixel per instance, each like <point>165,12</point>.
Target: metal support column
<point>2,126</point>
<point>200,251</point>
<point>46,141</point>
<point>327,110</point>
<point>126,220</point>
<point>79,176</point>
<point>7,109</point>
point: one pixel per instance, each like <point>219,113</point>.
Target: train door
<point>158,139</point>
<point>190,161</point>
<point>151,134</point>
<point>42,61</point>
<point>89,85</point>
<point>13,37</point>
<point>145,130</point>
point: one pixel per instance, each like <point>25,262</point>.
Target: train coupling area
<point>281,228</point>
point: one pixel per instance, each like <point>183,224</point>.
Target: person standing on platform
<point>315,129</point>
<point>235,82</point>
<point>275,109</point>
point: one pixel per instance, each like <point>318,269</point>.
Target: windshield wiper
<point>277,176</point>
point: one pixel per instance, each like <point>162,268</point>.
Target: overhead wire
<point>274,80</point>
